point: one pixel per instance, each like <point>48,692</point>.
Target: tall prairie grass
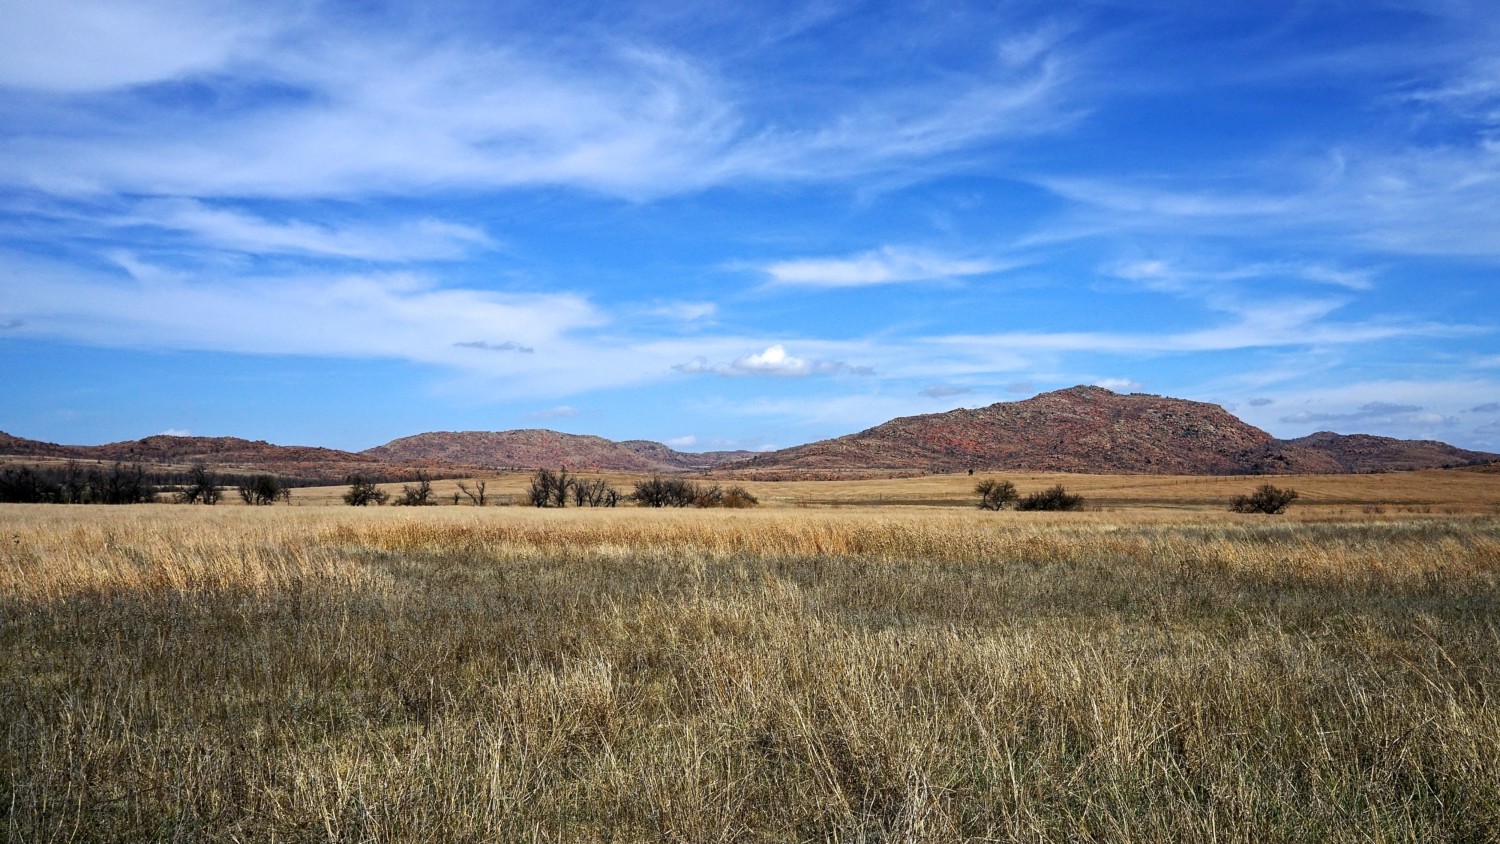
<point>794,675</point>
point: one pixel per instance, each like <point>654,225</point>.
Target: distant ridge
<point>231,453</point>
<point>1091,429</point>
<point>1079,429</point>
<point>534,448</point>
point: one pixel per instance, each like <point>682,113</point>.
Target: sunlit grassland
<point>1435,490</point>
<point>865,673</point>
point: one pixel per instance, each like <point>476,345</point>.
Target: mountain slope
<point>539,448</point>
<point>1089,429</point>
<point>1080,429</point>
<point>1367,453</point>
<point>220,452</point>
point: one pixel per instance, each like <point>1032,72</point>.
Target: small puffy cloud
<point>682,442</point>
<point>939,392</point>
<point>1487,407</point>
<point>775,361</point>
<point>888,265</point>
<point>1119,385</point>
<point>1430,418</point>
<point>176,432</point>
<point>507,346</point>
<point>559,412</point>
<point>1261,402</point>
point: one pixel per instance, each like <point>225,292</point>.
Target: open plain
<point>868,660</point>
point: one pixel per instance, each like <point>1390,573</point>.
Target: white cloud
<point>176,432</point>
<point>1365,412</point>
<point>939,391</point>
<point>1263,324</point>
<point>1413,201</point>
<point>886,265</point>
<point>773,361</point>
<point>391,315</point>
<point>423,239</point>
<point>1119,385</point>
<point>297,114</point>
<point>1423,409</point>
<point>485,346</point>
<point>682,442</point>
<point>96,45</point>
<point>560,412</point>
<point>684,311</point>
<point>1164,275</point>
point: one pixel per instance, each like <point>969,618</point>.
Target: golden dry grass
<point>870,674</point>
<point>1438,490</point>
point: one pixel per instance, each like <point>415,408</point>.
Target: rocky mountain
<point>1080,429</point>
<point>538,448</point>
<point>668,457</point>
<point>1367,453</point>
<point>1091,429</point>
<point>223,453</point>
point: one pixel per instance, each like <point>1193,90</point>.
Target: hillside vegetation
<point>460,674</point>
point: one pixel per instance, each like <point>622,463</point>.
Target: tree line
<point>558,488</point>
<point>122,483</point>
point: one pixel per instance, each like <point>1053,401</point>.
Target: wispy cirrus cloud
<point>887,265</point>
<point>90,45</point>
<point>390,110</point>
<point>1416,200</point>
<point>941,392</point>
<point>560,412</point>
<point>403,316</point>
<point>228,228</point>
<point>1365,412</point>
<point>507,346</point>
<point>1402,408</point>
<point>1172,276</point>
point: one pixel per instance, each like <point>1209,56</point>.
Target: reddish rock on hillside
<point>1080,429</point>
<point>539,448</point>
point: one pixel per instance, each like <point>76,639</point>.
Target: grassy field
<point>1438,490</point>
<point>793,673</point>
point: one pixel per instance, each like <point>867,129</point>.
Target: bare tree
<point>122,485</point>
<point>419,495</point>
<point>203,486</point>
<point>550,489</point>
<point>595,493</point>
<point>476,494</point>
<point>666,492</point>
<point>75,487</point>
<point>262,490</point>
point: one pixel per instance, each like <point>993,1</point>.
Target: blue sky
<point>742,225</point>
